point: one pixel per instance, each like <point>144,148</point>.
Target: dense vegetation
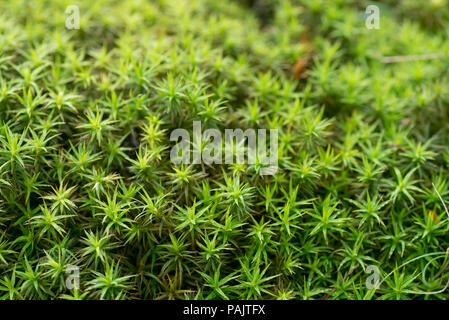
<point>86,178</point>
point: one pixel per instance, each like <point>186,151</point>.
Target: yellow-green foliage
<point>86,178</point>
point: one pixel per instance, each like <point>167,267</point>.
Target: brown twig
<point>395,59</point>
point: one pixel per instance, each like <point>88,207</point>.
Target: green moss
<point>86,179</point>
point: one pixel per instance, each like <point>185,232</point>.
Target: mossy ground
<point>87,181</point>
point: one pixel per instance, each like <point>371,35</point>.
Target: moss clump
<point>87,184</point>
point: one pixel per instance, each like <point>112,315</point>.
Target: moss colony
<point>92,207</point>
